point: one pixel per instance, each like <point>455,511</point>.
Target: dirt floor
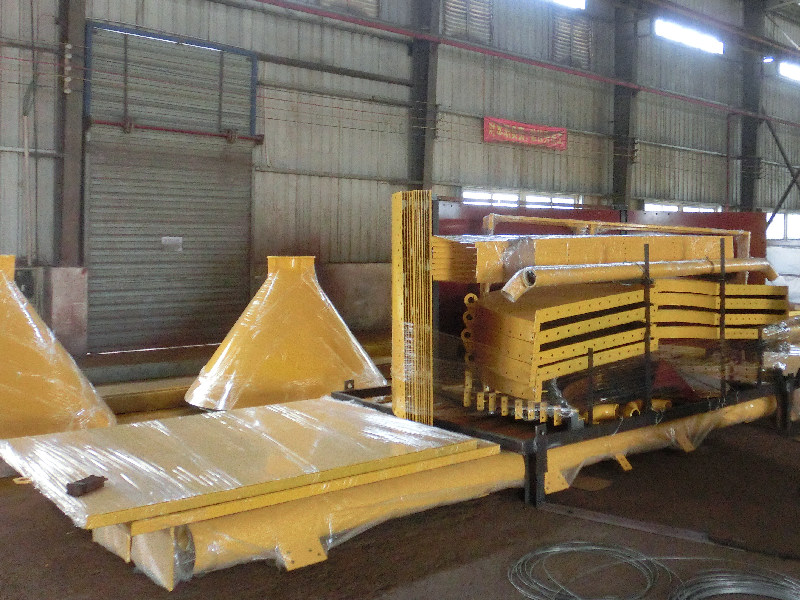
<point>741,487</point>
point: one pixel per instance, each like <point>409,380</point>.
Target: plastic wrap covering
<point>289,344</point>
<point>565,462</point>
<point>158,468</point>
<point>299,533</point>
<point>782,346</point>
<point>496,258</point>
<point>41,388</point>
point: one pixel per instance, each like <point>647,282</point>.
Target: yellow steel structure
<point>43,391</point>
<point>299,533</point>
<point>518,346</point>
<point>564,462</point>
<point>222,509</point>
<point>529,277</point>
<point>741,237</point>
<point>495,259</point>
<point>159,468</point>
<point>289,344</point>
<point>412,306</point>
<point>692,309</point>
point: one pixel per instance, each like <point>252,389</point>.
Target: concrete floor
<point>461,551</point>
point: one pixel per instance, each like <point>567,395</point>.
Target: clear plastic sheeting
<point>289,344</point>
<point>782,346</point>
<point>300,533</point>
<point>158,468</point>
<point>565,462</point>
<point>41,388</point>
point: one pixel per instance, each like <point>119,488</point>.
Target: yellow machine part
<point>564,462</point>
<point>495,259</point>
<point>299,533</point>
<point>289,344</point>
<point>43,391</point>
<point>412,306</point>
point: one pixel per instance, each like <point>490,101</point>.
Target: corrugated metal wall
<point>682,147</point>
<point>781,100</point>
<point>340,137</point>
<point>17,68</point>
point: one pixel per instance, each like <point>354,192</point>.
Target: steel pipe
<point>530,277</point>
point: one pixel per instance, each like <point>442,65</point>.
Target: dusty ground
<point>741,486</point>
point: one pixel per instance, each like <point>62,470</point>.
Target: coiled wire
<point>713,584</point>
<point>534,579</point>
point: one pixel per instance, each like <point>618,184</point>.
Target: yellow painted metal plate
<point>708,288</point>
<point>7,265</point>
<point>713,302</point>
<point>162,467</point>
<point>483,450</point>
<point>700,332</point>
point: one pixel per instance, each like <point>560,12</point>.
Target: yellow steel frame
<point>412,306</point>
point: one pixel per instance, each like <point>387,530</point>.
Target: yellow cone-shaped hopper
<point>289,344</point>
<point>41,388</point>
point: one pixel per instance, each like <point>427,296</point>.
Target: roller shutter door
<point>167,214</point>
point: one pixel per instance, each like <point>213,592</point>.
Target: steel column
<point>752,77</point>
<point>68,217</point>
<point>625,59</point>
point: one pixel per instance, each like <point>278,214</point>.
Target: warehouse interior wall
<point>336,107</point>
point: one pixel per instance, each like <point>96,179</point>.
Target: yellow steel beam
<point>741,236</point>
<point>529,278</point>
<point>566,460</point>
<point>496,258</point>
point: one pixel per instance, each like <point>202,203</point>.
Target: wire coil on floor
<point>714,584</point>
<point>535,579</point>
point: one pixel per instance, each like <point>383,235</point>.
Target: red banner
<point>510,132</point>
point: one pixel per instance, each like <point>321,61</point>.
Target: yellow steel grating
<point>412,311</point>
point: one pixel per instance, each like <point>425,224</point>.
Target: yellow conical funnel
<point>289,344</point>
<point>41,388</point>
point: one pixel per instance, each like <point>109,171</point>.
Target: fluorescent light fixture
<point>769,59</point>
<point>571,3</point>
<point>688,37</point>
<point>661,207</point>
<point>789,70</point>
